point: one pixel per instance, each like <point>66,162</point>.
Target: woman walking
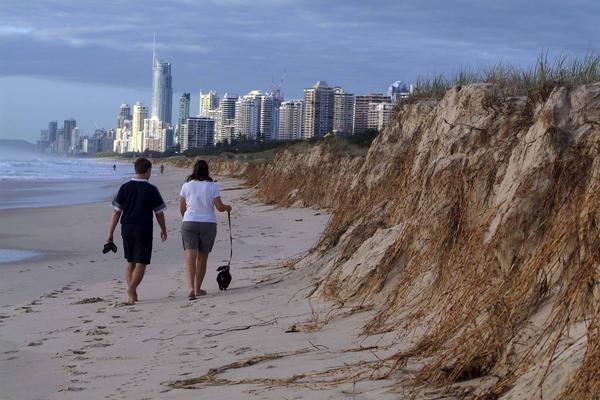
<point>199,198</point>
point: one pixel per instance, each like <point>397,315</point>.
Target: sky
<point>82,59</point>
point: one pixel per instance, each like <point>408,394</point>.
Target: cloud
<point>15,30</point>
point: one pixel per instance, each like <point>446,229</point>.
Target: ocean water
<point>10,255</point>
<point>34,180</point>
<point>37,167</point>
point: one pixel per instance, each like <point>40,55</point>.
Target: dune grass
<point>536,82</point>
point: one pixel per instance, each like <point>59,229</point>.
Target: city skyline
<point>101,59</point>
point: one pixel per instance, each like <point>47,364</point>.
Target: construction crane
<point>276,86</point>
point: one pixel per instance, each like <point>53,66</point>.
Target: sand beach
<point>65,333</point>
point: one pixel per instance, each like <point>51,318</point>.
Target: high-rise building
<point>361,109</point>
<point>247,114</point>
<point>162,90</point>
<point>154,135</point>
<point>122,138</point>
<point>69,132</point>
<point>124,115</point>
<point>318,110</point>
<point>398,91</point>
<point>198,133</point>
<point>60,141</point>
<point>208,102</point>
<point>290,120</point>
<point>123,124</point>
<point>343,112</point>
<point>52,131</point>
<point>226,128</point>
<point>227,105</point>
<point>140,113</point>
<point>269,117</point>
<point>379,115</point>
<point>184,114</point>
<point>217,116</point>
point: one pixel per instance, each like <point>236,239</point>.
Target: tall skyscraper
<point>290,120</point>
<point>198,133</point>
<point>60,141</point>
<point>225,127</point>
<point>318,110</point>
<point>217,116</point>
<point>52,131</point>
<point>123,128</point>
<point>269,117</point>
<point>184,114</point>
<point>140,113</point>
<point>162,90</point>
<point>247,114</point>
<point>398,91</point>
<point>208,102</point>
<point>124,115</point>
<point>228,105</point>
<point>343,112</point>
<point>361,109</point>
<point>69,131</point>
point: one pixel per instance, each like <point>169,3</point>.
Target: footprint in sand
<point>100,345</point>
<point>99,330</point>
<point>241,351</point>
<point>90,300</point>
<point>71,389</point>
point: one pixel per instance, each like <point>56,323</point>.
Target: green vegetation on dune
<point>536,82</point>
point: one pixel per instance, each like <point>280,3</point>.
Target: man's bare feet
<point>191,295</point>
<point>201,292</point>
<point>131,296</point>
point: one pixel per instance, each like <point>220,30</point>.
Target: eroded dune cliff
<point>473,223</point>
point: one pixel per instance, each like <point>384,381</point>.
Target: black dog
<point>224,277</point>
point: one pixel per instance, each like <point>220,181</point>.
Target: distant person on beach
<point>162,169</point>
<point>114,167</point>
<point>134,205</point>
<point>199,198</point>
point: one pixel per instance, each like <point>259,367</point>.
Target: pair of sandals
<point>192,296</point>
<point>109,246</point>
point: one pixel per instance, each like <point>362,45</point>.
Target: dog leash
<point>230,239</point>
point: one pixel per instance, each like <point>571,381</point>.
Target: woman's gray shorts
<point>198,235</point>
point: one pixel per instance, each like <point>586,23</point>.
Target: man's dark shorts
<point>137,243</point>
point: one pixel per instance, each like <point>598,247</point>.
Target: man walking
<point>134,205</point>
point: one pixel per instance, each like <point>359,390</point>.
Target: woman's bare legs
<point>200,272</point>
<point>191,256</point>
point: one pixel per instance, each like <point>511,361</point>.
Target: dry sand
<point>53,348</point>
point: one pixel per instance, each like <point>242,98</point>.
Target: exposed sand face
<point>51,347</point>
